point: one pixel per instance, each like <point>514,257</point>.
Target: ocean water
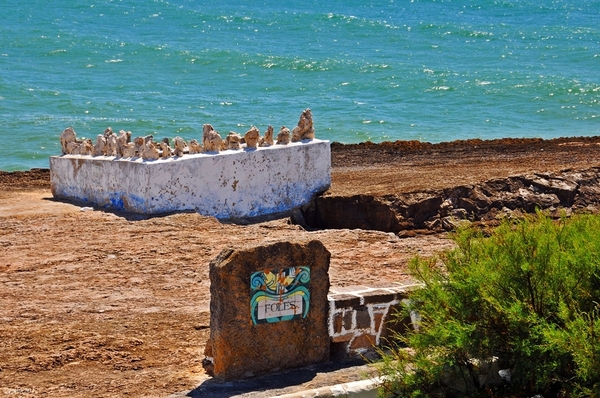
<point>429,70</point>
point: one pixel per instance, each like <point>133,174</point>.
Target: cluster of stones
<point>121,145</point>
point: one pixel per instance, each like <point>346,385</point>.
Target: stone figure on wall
<point>82,147</point>
<point>267,140</point>
<point>66,137</point>
<point>296,134</point>
<point>100,146</point>
<point>87,147</point>
<point>138,145</point>
<point>111,142</point>
<point>180,145</point>
<point>304,130</point>
<point>252,137</point>
<point>150,152</point>
<point>232,141</point>
<point>211,139</point>
<point>283,138</point>
<point>124,144</point>
<point>194,147</point>
<point>108,131</point>
<point>70,145</point>
<point>73,148</point>
<point>166,149</point>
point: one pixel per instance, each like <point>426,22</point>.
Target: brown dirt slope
<point>95,303</point>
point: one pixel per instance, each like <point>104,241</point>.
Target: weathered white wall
<point>230,184</point>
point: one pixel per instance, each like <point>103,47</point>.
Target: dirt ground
<point>96,303</point>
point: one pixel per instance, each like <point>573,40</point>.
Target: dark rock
<point>588,195</point>
<point>434,224</point>
<point>564,189</point>
<point>297,217</point>
<point>490,187</point>
<point>454,193</point>
<point>460,214</point>
<point>468,205</point>
<point>480,199</point>
<point>421,207</point>
<point>361,211</point>
<point>452,223</point>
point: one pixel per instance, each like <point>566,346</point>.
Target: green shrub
<point>524,298</point>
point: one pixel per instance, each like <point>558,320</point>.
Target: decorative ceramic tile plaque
<point>279,295</point>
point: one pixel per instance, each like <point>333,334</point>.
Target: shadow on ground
<point>294,380</point>
<point>86,206</point>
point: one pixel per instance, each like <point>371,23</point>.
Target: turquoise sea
<point>430,70</point>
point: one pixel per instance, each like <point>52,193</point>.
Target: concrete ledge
<point>246,183</point>
<point>355,389</point>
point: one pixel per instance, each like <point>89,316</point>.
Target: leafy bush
<point>523,299</point>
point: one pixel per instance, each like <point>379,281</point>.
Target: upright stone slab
<point>269,309</point>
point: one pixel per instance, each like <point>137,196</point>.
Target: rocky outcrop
<point>360,211</point>
<point>444,209</point>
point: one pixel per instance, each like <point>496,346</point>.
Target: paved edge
<point>355,389</point>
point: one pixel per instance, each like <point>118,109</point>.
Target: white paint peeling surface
<point>230,184</point>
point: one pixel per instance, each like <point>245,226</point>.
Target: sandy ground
<point>95,303</point>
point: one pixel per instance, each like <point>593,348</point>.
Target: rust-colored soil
<point>94,303</point>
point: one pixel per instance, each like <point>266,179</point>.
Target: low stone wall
<point>272,308</point>
<point>361,317</point>
<point>230,184</point>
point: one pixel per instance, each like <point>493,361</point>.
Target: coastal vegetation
<point>511,312</point>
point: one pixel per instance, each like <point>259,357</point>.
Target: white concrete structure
<point>231,184</point>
